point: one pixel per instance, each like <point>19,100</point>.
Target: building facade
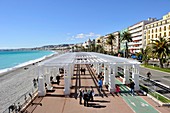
<point>137,34</point>
<point>116,45</point>
<point>159,28</point>
<point>122,43</point>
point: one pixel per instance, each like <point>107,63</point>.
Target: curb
<point>157,101</point>
<point>155,70</point>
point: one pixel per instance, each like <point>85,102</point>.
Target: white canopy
<point>86,58</point>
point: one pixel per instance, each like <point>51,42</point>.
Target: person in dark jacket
<point>80,96</point>
<point>132,86</point>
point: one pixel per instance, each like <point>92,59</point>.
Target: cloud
<point>84,36</point>
<point>90,35</point>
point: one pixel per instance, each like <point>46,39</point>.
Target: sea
<point>10,60</point>
<point>15,85</point>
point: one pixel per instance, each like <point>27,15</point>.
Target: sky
<point>35,23</point>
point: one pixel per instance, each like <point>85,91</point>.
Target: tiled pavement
<point>56,102</point>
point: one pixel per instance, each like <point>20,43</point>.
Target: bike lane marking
<point>135,102</point>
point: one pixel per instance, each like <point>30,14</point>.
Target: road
<point>158,76</point>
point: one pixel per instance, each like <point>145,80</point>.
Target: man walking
<point>80,96</point>
<point>149,75</point>
<point>132,86</point>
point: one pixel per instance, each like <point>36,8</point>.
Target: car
<point>133,56</point>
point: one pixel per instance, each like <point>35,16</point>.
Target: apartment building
<point>159,28</point>
<point>122,43</point>
<point>137,34</point>
<point>116,44</point>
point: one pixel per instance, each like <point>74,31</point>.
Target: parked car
<point>133,56</point>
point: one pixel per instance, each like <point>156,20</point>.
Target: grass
<point>157,68</point>
<point>155,94</point>
<point>144,88</point>
<point>160,97</point>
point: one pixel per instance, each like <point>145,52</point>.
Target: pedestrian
<point>117,90</point>
<point>51,79</point>
<point>85,97</point>
<point>81,70</point>
<point>91,95</point>
<point>149,75</point>
<point>132,86</point>
<point>35,83</point>
<point>58,79</point>
<point>84,70</point>
<point>80,96</point>
<point>100,83</point>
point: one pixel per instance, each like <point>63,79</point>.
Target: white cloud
<point>84,36</point>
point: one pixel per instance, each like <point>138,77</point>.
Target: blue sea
<point>10,59</point>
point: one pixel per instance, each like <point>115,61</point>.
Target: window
<point>148,31</point>
<point>160,29</point>
<point>156,30</point>
<point>160,35</point>
<point>149,37</point>
<point>169,33</point>
<point>152,30</point>
<point>169,27</point>
<point>152,36</point>
<point>165,34</point>
<point>164,28</point>
<point>156,36</point>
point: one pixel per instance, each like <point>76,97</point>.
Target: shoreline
<point>17,82</point>
<point>26,64</point>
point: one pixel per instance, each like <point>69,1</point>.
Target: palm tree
<point>146,53</point>
<point>109,41</point>
<point>126,36</point>
<point>161,49</point>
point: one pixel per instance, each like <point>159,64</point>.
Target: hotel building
<point>116,44</point>
<point>159,28</point>
<point>137,34</point>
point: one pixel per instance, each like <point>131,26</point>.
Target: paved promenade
<point>56,102</point>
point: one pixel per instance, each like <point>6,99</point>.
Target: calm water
<point>9,59</point>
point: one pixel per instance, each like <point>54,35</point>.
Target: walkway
<point>56,102</point>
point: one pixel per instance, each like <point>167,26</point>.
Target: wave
<point>3,71</point>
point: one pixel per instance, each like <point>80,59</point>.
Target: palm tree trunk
<point>161,63</point>
<point>126,53</point>
<point>111,49</point>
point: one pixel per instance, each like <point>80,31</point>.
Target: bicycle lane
<point>135,102</point>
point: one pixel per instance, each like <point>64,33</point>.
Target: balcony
<point>136,30</point>
<point>137,38</point>
<point>136,34</point>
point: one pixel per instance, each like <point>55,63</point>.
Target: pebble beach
<point>16,83</point>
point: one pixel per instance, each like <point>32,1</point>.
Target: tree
<point>161,49</point>
<point>146,54</point>
<point>126,36</point>
<point>99,49</point>
<point>109,41</point>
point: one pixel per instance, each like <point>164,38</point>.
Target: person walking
<point>85,97</point>
<point>117,90</point>
<point>80,96</point>
<point>100,83</point>
<point>58,79</point>
<point>149,75</point>
<point>91,94</point>
<point>132,86</point>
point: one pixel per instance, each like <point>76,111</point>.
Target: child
<point>117,90</point>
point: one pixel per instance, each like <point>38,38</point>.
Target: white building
<point>87,43</point>
<point>137,34</point>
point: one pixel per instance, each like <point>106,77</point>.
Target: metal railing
<point>22,101</point>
